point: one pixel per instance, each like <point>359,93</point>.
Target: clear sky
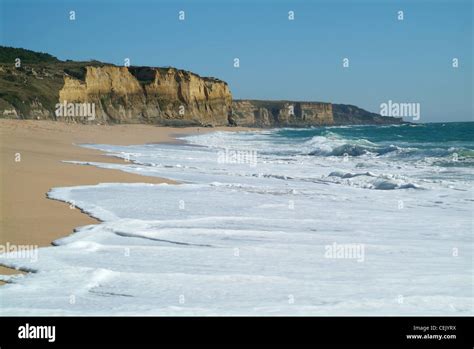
<point>402,61</point>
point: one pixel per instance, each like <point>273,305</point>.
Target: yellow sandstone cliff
<point>151,95</point>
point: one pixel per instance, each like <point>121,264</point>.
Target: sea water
<point>356,220</point>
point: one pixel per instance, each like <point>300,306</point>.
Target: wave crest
<point>334,145</point>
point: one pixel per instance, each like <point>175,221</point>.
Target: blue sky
<point>402,61</point>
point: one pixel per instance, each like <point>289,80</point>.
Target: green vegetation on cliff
<point>10,54</point>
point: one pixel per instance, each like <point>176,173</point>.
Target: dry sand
<point>27,216</point>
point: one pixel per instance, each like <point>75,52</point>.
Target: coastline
<point>27,216</point>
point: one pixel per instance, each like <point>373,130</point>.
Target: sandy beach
<point>31,164</point>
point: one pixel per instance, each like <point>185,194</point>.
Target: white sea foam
<point>236,239</point>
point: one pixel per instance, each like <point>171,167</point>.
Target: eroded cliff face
<point>280,113</point>
<point>150,95</point>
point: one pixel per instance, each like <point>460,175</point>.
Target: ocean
<point>349,220</point>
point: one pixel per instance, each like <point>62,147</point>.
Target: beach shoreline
<point>32,154</point>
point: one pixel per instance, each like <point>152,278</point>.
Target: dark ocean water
<point>446,141</point>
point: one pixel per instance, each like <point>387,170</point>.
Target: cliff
<point>280,113</point>
<point>150,95</point>
<point>41,85</point>
<point>166,96</point>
